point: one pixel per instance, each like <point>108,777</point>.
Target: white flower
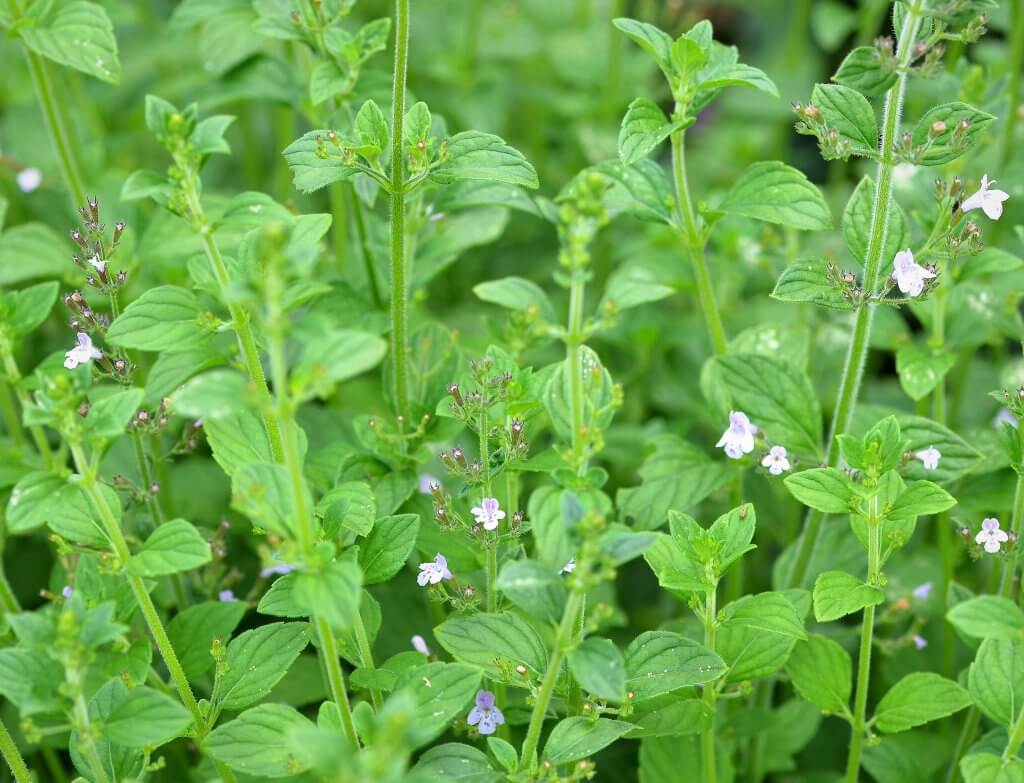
<point>775,460</point>
<point>991,536</point>
<point>82,353</point>
<point>990,201</point>
<point>930,457</point>
<point>738,439</point>
<point>569,567</point>
<point>68,591</point>
<point>433,572</point>
<point>29,179</point>
<point>919,641</point>
<point>419,644</point>
<point>1005,416</point>
<point>97,264</point>
<point>909,276</point>
<point>488,513</point>
<point>923,591</point>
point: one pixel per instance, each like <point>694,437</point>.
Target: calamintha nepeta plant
<point>282,500</point>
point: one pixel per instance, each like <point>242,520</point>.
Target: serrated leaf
<point>988,617</point>
<point>862,70</point>
<point>767,612</point>
<point>655,42</point>
<point>256,742</point>
<point>442,692</point>
<point>856,226</point>
<point>824,489</point>
<point>951,114</point>
<point>165,318</point>
<point>534,587</point>
<point>256,660</point>
<point>474,155</point>
<point>921,369</point>
<point>193,630</point>
<point>776,193</point>
<point>644,127</point>
<point>145,717</point>
<point>173,547</point>
<point>599,668</point>
<point>737,75</point>
<point>388,546</point>
<point>477,640</point>
<point>577,737</point>
<point>309,171</point>
<point>807,281</point>
<point>837,594</point>
<point>516,293</point>
<point>822,673</point>
<point>919,698</point>
<point>77,34</point>
<point>849,112</point>
<point>661,661</point>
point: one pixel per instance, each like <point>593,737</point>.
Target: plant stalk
<point>856,357</point>
<point>707,740</point>
<point>13,757</point>
<point>1015,65</point>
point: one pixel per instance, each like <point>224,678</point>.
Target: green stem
<point>563,639</point>
<point>708,735</point>
<point>336,678</point>
<point>13,757</point>
<point>246,341</point>
<point>113,532</point>
<point>86,742</point>
<point>1017,526</point>
<point>12,421</point>
<point>364,245</point>
<point>339,207</point>
<point>795,47</point>
<point>399,292</point>
<point>366,657</point>
<point>56,126</point>
<point>856,357</point>
<point>13,375</point>
<point>860,702</point>
<point>695,244</point>
<point>573,357</point>
<point>1015,65</point>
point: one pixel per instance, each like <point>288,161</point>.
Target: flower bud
<point>938,127</point>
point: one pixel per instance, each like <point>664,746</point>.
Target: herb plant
<point>397,392</point>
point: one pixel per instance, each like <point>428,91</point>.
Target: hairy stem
<point>856,357</point>
<point>399,285</point>
<point>563,640</point>
<point>13,757</point>
<point>707,740</point>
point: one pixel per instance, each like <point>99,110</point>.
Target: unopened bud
<point>938,127</point>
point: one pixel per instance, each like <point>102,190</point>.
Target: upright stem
<point>563,638</point>
<point>708,736</point>
<point>695,245</point>
<point>12,420</point>
<point>13,757</point>
<point>399,293</point>
<point>13,375</point>
<point>860,701</point>
<point>856,357</point>
<point>86,742</point>
<point>1017,526</point>
<point>364,245</point>
<point>1015,65</point>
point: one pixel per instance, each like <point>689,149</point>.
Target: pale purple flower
<point>488,513</point>
<point>919,641</point>
<point>923,591</point>
<point>569,567</point>
<point>991,536</point>
<point>485,715</point>
<point>930,457</point>
<point>990,201</point>
<point>29,179</point>
<point>909,276</point>
<point>738,439</point>
<point>83,353</point>
<point>433,572</point>
<point>97,264</point>
<point>226,596</point>
<point>427,483</point>
<point>776,460</point>
<point>68,591</point>
<point>1005,416</point>
<point>419,644</point>
<point>280,568</point>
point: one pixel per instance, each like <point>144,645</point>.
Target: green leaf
<point>387,548</point>
<point>173,547</point>
<point>577,738</point>
<point>656,43</point>
<point>350,506</point>
<point>821,672</point>
<point>942,149</point>
<point>208,135</point>
<point>479,639</point>
<point>534,587</point>
<point>212,395</point>
<point>919,698</point>
<point>677,476</point>
<point>737,75</point>
<point>598,667</point>
<point>808,281</point>
<point>921,369</point>
<point>108,416</point>
<point>483,156</point>
<point>598,394</point>
<point>237,440</point>
<point>857,226</point>
<point>146,717</point>
<point>991,768</point>
<point>862,69</point>
<point>644,127</point>
<point>256,660</point>
<point>372,129</point>
<point>256,742</point>
<point>641,190</point>
<point>837,594</point>
<point>848,112</point>
<point>442,692</point>
<point>504,752</point>
<point>33,500</point>
<point>687,58</point>
<point>778,397</point>
<point>332,593</point>
<point>35,241</point>
<point>767,612</point>
<point>919,499</point>
<point>670,716</point>
<point>165,318</point>
<point>342,354</point>
<point>22,311</point>
<point>824,489</point>
<point>661,661</point>
<point>263,492</point>
<point>309,171</point>
<point>777,193</point>
<point>632,285</point>
<point>988,617</point>
<point>996,679</point>
<point>454,762</point>
<point>193,630</point>
<point>77,34</point>
<point>516,293</point>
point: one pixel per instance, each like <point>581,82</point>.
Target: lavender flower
<point>485,715</point>
<point>930,457</point>
<point>990,201</point>
<point>83,353</point>
<point>738,439</point>
<point>776,460</point>
<point>923,591</point>
<point>419,644</point>
<point>990,536</point>
<point>226,596</point>
<point>488,513</point>
<point>908,274</point>
<point>433,572</point>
